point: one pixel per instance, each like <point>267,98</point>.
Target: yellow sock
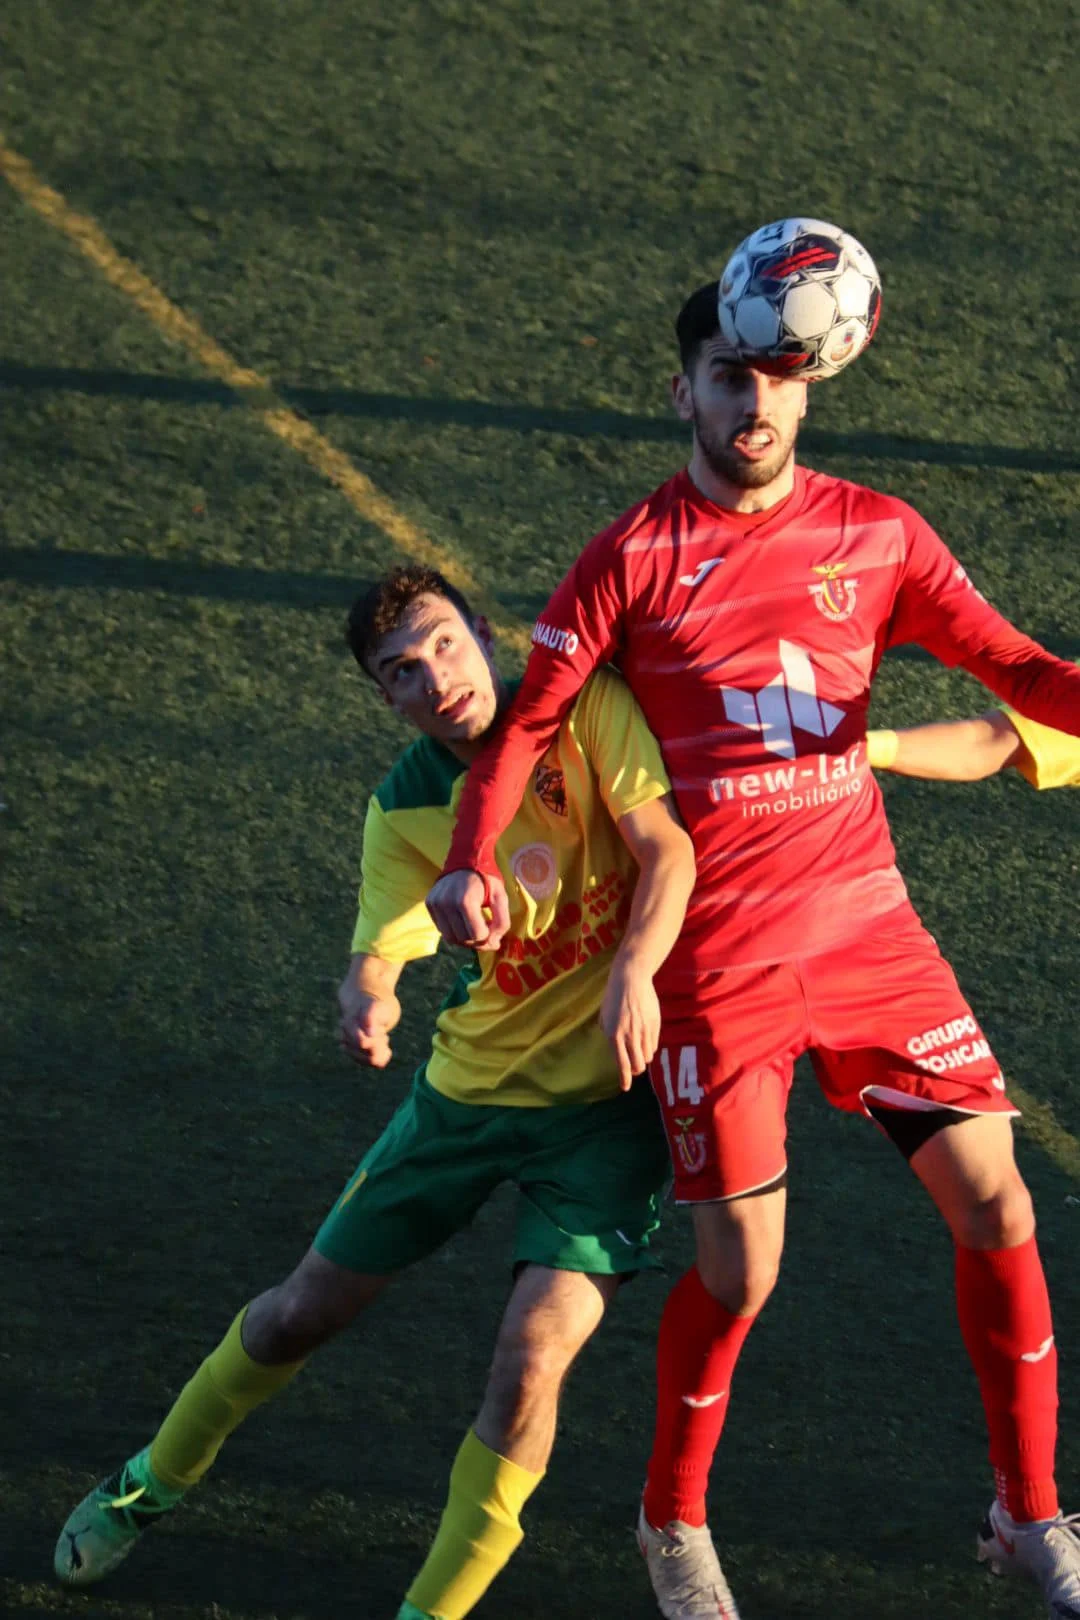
<point>210,1406</point>
<point>477,1534</point>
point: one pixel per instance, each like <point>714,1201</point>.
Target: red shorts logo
<point>691,1146</point>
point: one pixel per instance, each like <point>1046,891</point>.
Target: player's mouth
<point>754,443</point>
<point>456,709</point>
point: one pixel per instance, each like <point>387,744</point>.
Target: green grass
<point>456,236</point>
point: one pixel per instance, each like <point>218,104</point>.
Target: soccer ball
<point>799,298</point>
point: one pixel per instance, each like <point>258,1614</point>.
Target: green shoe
<point>107,1523</point>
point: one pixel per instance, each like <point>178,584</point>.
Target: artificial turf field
<point>452,238</point>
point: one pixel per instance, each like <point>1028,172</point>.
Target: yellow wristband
<point>882,748</point>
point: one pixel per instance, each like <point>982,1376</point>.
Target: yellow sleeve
<point>1050,758</point>
<point>624,753</point>
<point>393,922</point>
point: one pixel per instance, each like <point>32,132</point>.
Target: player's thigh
<point>892,1031</point>
<point>970,1171</point>
<point>423,1180</point>
<point>592,1178</point>
<point>722,1075</point>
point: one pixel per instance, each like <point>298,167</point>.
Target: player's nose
<point>436,680</point>
<point>757,393</point>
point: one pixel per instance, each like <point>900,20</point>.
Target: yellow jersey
<point>519,1025</point>
<point>1050,758</point>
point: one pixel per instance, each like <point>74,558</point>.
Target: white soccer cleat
<point>1048,1554</point>
<point>685,1571</point>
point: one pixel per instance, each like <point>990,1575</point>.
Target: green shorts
<point>591,1178</point>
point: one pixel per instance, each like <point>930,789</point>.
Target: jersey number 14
<point>686,1088</point>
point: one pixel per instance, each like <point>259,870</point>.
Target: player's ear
<point>682,397</point>
<point>805,400</point>
<point>484,633</point>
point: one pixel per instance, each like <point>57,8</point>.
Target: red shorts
<point>883,1019</point>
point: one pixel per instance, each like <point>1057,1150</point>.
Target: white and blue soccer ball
<point>800,298</point>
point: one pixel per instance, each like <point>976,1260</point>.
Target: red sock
<point>1004,1312</point>
<point>696,1352</point>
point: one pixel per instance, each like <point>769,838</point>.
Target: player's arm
<point>579,628</point>
<point>369,1009</point>
<point>392,928</point>
<point>948,750</point>
<point>630,1014</point>
<point>937,606</point>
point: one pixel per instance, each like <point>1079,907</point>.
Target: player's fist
<point>468,909</point>
<point>366,1022</point>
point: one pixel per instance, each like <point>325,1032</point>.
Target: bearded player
<point>748,602</point>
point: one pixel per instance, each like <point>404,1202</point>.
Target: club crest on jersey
<point>549,785</point>
<point>690,1145</point>
<point>534,867</point>
<point>834,597</point>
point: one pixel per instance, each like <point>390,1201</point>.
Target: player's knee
<point>742,1288</point>
<point>297,1317</point>
<point>530,1367</point>
<point>290,1324</point>
<point>1001,1219</point>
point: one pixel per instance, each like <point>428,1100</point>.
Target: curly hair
<point>385,603</point>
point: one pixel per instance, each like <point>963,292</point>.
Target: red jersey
<point>750,642</point>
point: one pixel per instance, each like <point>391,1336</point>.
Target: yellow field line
<point>255,390</point>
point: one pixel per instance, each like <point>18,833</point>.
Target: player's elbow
<point>994,744</point>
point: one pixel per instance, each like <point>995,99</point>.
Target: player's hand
<point>630,1018</point>
<point>366,1022</point>
<point>469,911</point>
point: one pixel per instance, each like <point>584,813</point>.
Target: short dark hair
<point>385,603</point>
<point>697,322</point>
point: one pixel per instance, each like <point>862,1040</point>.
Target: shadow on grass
<point>89,570</point>
<point>72,570</point>
<point>579,423</point>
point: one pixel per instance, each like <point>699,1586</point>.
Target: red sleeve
<point>580,628</point>
<point>938,607</point>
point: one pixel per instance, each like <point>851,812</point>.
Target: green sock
<point>409,1611</point>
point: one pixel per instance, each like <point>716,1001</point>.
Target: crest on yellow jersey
<point>550,786</point>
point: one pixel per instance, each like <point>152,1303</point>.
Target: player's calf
<point>549,1318</point>
<point>550,1315</point>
